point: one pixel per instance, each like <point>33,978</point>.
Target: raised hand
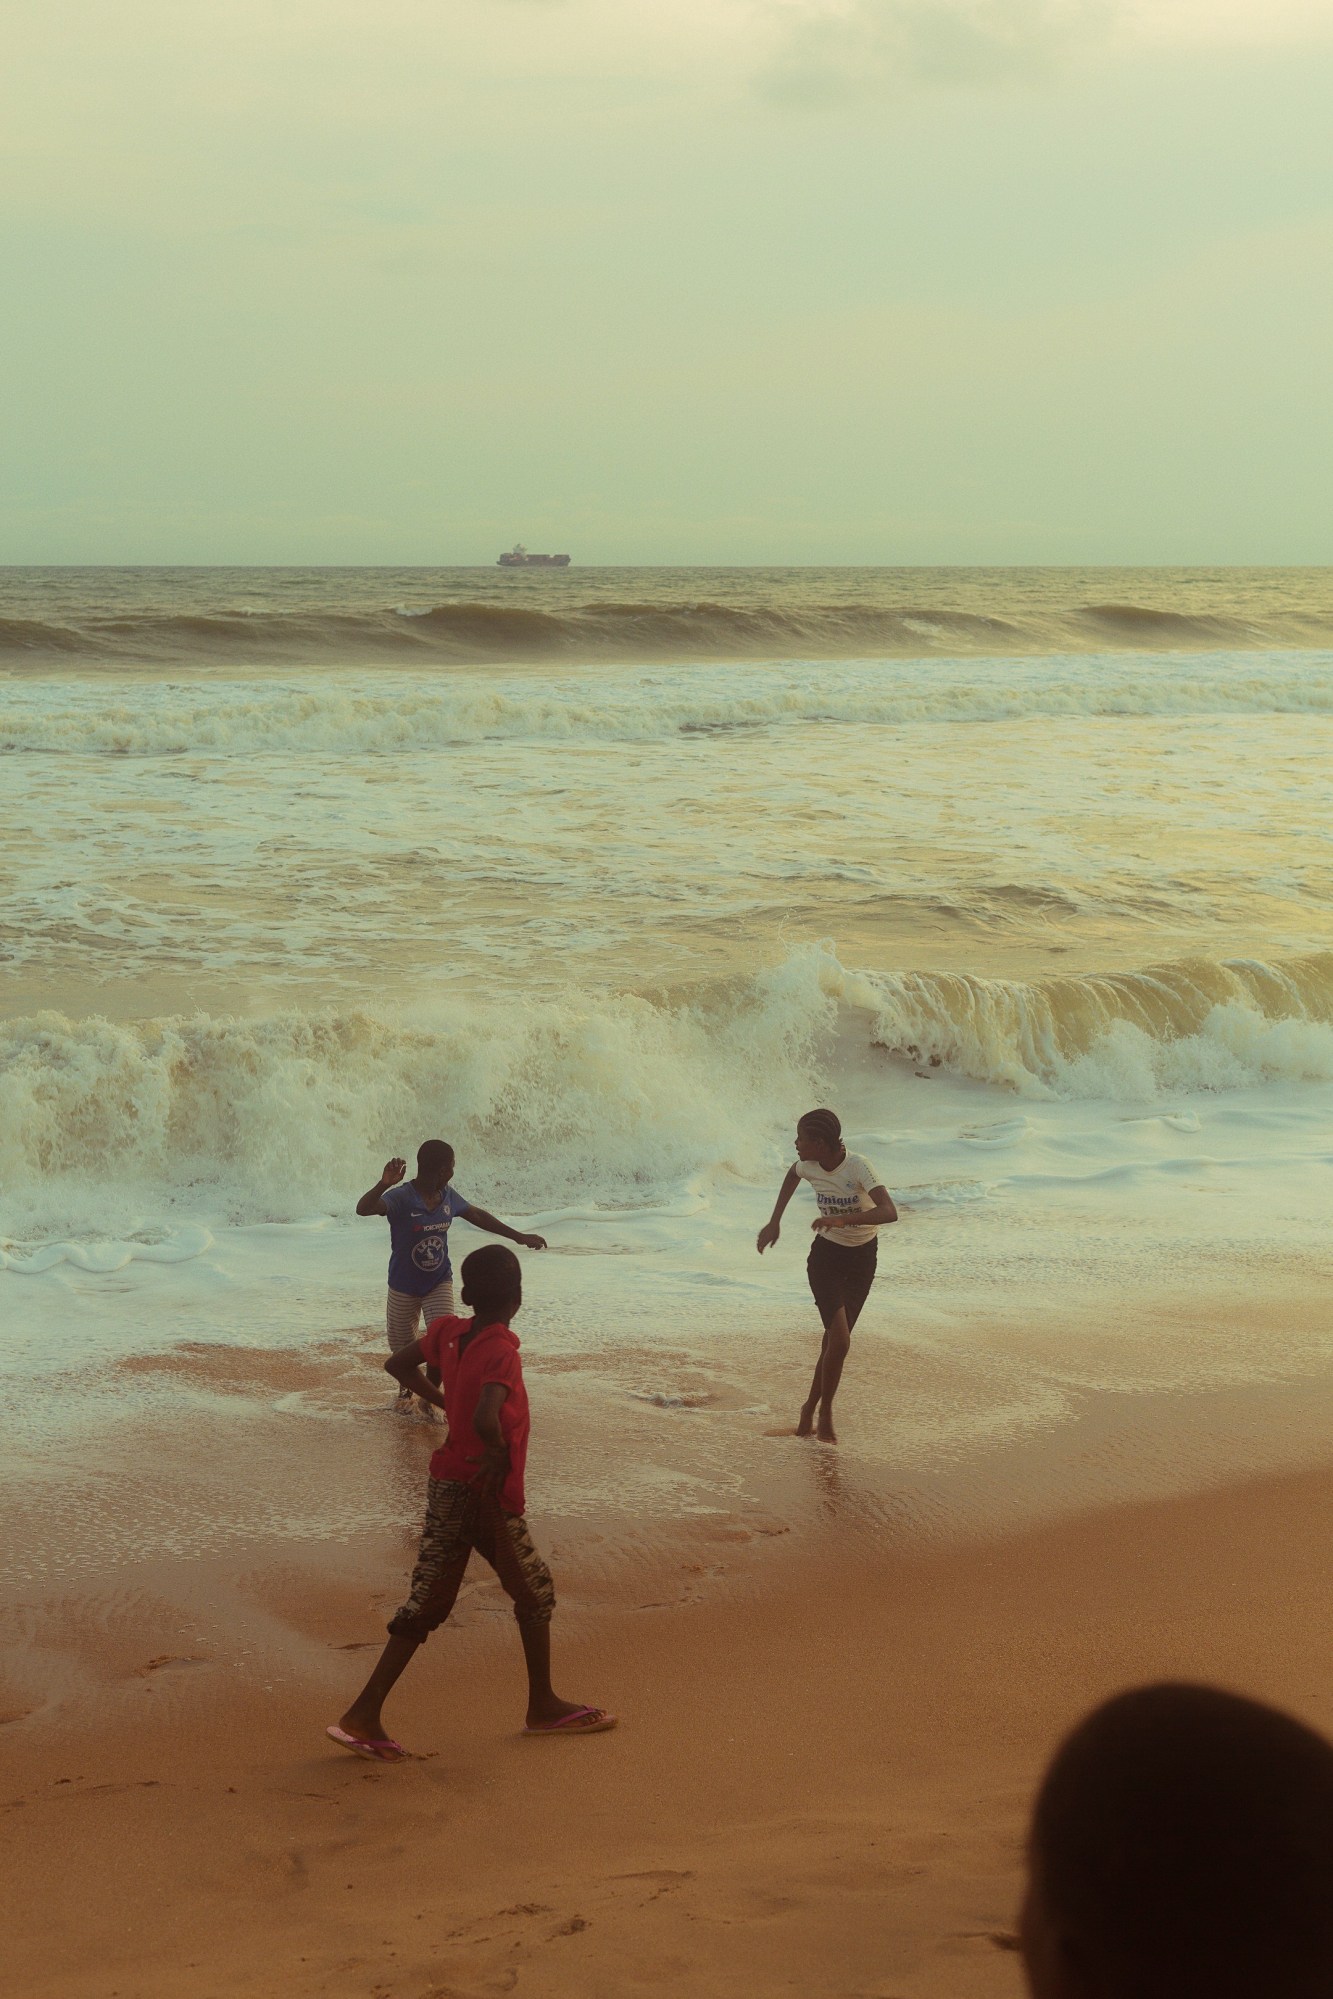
<point>393,1172</point>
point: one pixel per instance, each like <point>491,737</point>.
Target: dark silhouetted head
<point>819,1137</point>
<point>435,1163</point>
<point>1182,1848</point>
<point>492,1283</point>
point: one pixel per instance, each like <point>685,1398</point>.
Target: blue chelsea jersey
<point>419,1237</point>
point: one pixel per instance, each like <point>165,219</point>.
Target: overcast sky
<point>667,281</point>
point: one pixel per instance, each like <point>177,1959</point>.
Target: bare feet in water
<point>824,1432</point>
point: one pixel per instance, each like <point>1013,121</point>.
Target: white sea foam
<point>340,716</point>
<point>105,1256</point>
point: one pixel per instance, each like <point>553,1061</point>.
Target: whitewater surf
<point>1026,873</point>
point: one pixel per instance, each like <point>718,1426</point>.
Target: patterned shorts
<point>404,1315</point>
<point>457,1521</point>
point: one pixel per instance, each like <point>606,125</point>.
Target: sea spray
<point>611,1098</point>
<point>607,1097</point>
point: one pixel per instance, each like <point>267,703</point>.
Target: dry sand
<point>819,1784</point>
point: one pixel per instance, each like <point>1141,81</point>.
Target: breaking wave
<point>479,633</point>
<point>606,1097</point>
<point>1200,1024</point>
<point>610,1098</point>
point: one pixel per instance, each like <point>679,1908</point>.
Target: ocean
<point>605,876</point>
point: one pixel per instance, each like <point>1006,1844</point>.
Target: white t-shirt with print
<point>844,1191</point>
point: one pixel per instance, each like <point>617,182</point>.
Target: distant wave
<point>481,633</point>
<point>1159,628</point>
<point>337,717</point>
<point>615,1098</point>
<point>21,636</point>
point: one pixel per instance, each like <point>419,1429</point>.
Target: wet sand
<point>833,1710</point>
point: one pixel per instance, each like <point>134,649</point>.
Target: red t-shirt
<point>490,1355</point>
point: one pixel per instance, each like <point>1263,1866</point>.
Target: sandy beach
<point>832,1713</point>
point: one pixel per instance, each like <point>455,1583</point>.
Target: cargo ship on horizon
<point>518,558</point>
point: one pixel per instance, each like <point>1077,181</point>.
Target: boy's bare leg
<point>362,1718</point>
<point>837,1339</point>
<point>805,1423</point>
<point>824,1386</point>
<point>544,1705</point>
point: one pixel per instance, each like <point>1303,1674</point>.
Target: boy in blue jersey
<point>419,1214</point>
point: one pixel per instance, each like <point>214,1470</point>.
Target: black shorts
<point>841,1277</point>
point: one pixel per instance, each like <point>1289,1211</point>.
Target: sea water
<point>605,876</point>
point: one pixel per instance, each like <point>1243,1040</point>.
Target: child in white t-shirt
<point>853,1207</point>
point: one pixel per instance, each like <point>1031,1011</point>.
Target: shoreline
<point>955,1425</point>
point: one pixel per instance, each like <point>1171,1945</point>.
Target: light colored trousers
<point>404,1315</point>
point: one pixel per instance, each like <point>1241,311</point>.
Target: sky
<point>751,281</point>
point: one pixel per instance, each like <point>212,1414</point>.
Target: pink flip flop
<point>583,1721</point>
<point>384,1750</point>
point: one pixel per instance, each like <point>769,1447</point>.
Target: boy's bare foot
<point>826,1434</point>
<point>363,1723</point>
<point>805,1423</point>
<point>551,1709</point>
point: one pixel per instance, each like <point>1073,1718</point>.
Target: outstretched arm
<point>482,1218</point>
<point>862,1218</point>
<point>372,1201</point>
<point>406,1367</point>
<point>771,1230</point>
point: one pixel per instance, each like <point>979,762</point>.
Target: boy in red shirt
<point>474,1500</point>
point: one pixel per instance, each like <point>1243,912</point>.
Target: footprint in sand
<point>997,1939</point>
<point>659,1880</point>
<point>173,1659</point>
